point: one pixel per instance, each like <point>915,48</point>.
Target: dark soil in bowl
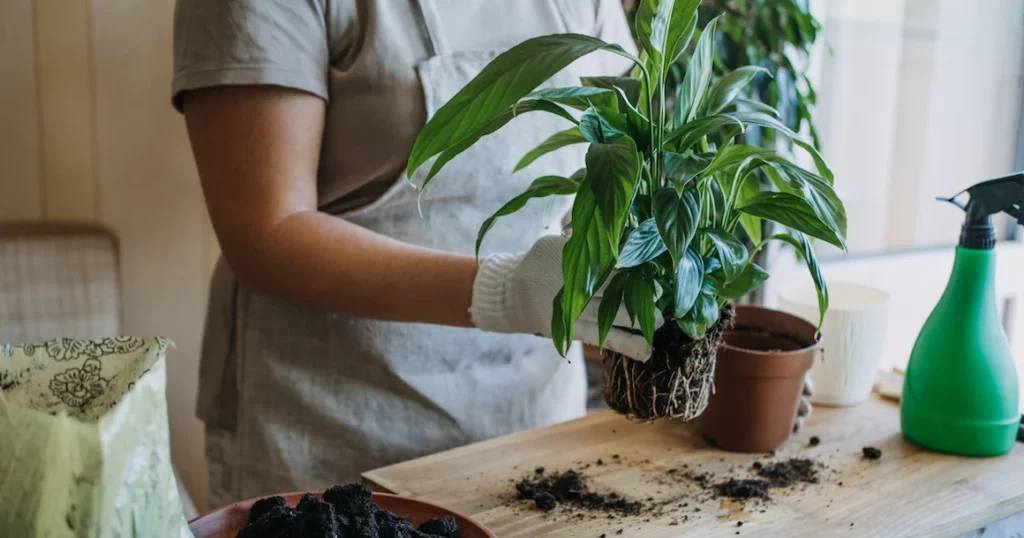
<point>344,511</point>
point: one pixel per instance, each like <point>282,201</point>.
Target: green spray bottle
<point>960,390</point>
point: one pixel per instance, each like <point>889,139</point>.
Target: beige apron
<point>322,397</point>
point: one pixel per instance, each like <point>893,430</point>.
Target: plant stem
<point>661,127</point>
<point>653,155</point>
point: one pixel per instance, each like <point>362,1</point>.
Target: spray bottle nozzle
<point>1004,194</point>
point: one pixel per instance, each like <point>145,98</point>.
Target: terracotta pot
<point>759,376</point>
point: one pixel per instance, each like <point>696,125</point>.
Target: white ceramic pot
<point>853,334</point>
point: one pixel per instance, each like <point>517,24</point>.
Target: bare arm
<point>257,150</point>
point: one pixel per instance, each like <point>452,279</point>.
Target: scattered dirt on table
<point>814,441</point>
<point>346,511</point>
<point>746,488</point>
<point>784,474</point>
<point>871,453</point>
<point>548,491</point>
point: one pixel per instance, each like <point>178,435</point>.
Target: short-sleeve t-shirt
<point>361,57</point>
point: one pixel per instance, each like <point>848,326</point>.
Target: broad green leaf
<point>750,187</point>
<point>556,141</point>
<point>643,245</point>
<point>540,188</point>
<point>580,98</point>
<point>639,299</point>
<point>698,76</point>
<point>587,259</point>
<point>599,216</point>
<point>712,265</point>
<point>756,106</point>
<point>749,279</point>
<point>681,168</point>
<point>806,251</point>
<point>491,126</point>
<point>503,82</point>
<point>690,327</point>
<point>558,328</point>
<point>705,308</point>
<point>689,134</point>
<point>613,171</point>
<point>609,306</point>
<point>665,27</point>
<point>639,125</point>
<point>717,196</point>
<point>603,125</point>
<point>679,40</point>
<point>751,225</point>
<point>764,120</point>
<point>689,278</point>
<point>791,211</point>
<point>731,252</point>
<point>731,156</point>
<point>629,87</point>
<point>641,208</point>
<point>677,218</point>
<point>726,88</point>
<point>793,179</point>
<point>817,192</point>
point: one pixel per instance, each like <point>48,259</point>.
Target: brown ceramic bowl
<point>228,521</point>
<point>759,375</point>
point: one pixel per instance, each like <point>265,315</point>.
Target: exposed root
<point>677,380</point>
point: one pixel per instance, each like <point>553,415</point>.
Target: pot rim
<point>786,354</point>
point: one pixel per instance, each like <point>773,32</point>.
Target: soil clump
<point>871,453</point>
<point>548,491</point>
<point>343,511</point>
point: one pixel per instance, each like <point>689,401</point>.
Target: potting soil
<point>344,512</point>
<point>871,453</point>
<point>783,474</point>
<point>747,488</point>
<point>547,491</point>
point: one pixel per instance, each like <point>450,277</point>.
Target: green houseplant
<point>663,195</point>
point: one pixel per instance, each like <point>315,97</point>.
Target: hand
<point>514,293</point>
<point>804,409</point>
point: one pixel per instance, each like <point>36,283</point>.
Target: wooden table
<point>908,492</point>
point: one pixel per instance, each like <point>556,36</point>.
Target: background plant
<point>774,34</point>
<point>668,181</point>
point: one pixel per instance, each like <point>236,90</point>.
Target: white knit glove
<point>804,409</point>
<point>514,293</point>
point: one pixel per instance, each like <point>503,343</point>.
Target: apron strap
<point>430,27</point>
<point>429,22</point>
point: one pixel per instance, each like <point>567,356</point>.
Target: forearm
<point>316,259</point>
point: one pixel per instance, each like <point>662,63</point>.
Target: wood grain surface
<point>908,492</point>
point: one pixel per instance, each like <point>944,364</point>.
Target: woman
<point>349,331</point>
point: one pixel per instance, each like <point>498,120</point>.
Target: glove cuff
<point>492,298</point>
